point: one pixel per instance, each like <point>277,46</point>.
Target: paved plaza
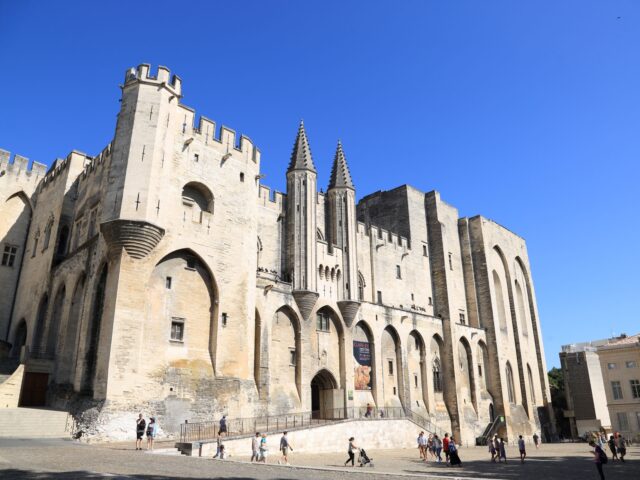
<point>63,459</point>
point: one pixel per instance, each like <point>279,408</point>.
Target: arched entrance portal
<point>326,398</point>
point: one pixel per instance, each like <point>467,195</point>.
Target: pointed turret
<point>301,155</point>
<point>340,175</point>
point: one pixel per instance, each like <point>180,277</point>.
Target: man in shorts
<point>141,425</point>
<point>284,448</point>
<point>521,447</point>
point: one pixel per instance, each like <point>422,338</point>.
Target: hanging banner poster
<point>362,357</point>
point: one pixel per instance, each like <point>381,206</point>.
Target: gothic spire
<point>301,155</point>
<point>340,176</point>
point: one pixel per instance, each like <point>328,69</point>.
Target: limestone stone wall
<point>174,284</point>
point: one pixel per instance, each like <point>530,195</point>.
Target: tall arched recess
<point>465,364</point>
<point>417,364</point>
<point>394,382</point>
<point>534,330</point>
<point>285,361</point>
<point>68,355</point>
<point>53,340</point>
<point>514,326</point>
<point>93,333</point>
<point>364,358</point>
<point>183,309</point>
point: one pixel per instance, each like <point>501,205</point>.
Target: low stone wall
<point>332,438</point>
<point>10,389</point>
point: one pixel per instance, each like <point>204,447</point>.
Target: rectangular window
<point>379,297</point>
<point>450,261</point>
<point>424,251</point>
<point>480,370</point>
<point>612,366</point>
<point>196,157</point>
<point>177,330</point>
<point>617,390</point>
<point>390,363</point>
<point>631,364</point>
<point>322,322</point>
<point>415,380</point>
<point>9,255</point>
<point>292,357</point>
<point>635,388</point>
<point>430,301</point>
<point>167,283</point>
<point>398,272</point>
<point>395,391</point>
<point>623,421</point>
<point>225,318</point>
<point>463,320</point>
<point>412,297</point>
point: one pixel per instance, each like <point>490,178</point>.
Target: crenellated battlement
<point>271,199</point>
<point>94,163</point>
<point>224,136</point>
<point>60,166</point>
<point>384,235</point>
<point>20,166</point>
<point>162,78</point>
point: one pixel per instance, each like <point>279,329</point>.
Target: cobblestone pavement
<point>62,460</point>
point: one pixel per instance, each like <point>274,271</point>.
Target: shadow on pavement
<point>17,474</point>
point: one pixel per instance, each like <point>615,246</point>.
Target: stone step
<point>33,423</point>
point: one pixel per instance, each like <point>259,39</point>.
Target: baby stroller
<point>363,459</point>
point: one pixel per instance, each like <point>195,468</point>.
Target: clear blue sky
<point>526,112</point>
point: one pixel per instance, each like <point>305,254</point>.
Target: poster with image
<point>362,357</point>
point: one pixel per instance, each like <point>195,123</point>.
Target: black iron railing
<point>202,431</point>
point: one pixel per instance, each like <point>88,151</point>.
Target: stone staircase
<point>34,423</point>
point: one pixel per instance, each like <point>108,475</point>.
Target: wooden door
<point>34,389</point>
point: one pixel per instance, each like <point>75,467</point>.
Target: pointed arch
<point>93,333</point>
<point>40,323</point>
<point>54,323</point>
<point>364,351</point>
<point>511,392</point>
<point>361,286</point>
<point>391,350</point>
<point>285,354</point>
<point>68,356</point>
<point>417,365</point>
<point>465,363</point>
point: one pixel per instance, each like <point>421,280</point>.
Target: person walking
<point>599,457</point>
<point>223,426</point>
<point>503,451</point>
<point>255,447</point>
<point>285,446</point>
<point>622,447</point>
<point>141,426</point>
<point>612,447</point>
<point>421,452</point>
<point>437,445</point>
<point>352,449</point>
<point>492,450</point>
<point>264,451</point>
<point>152,431</point>
<point>453,453</point>
<point>445,447</point>
<point>429,448</point>
<point>536,440</point>
<point>369,411</point>
<point>218,447</point>
<point>521,447</point>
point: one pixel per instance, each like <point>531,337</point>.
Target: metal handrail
<point>203,431</point>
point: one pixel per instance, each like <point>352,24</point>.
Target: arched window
<point>437,379</point>
<point>197,202</point>
<point>510,386</point>
<point>321,271</point>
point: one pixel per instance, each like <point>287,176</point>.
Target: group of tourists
<point>150,428</point>
<point>260,451</point>
<point>433,446</point>
<point>617,444</point>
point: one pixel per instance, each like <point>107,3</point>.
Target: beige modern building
<point>161,276</point>
<point>620,364</point>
